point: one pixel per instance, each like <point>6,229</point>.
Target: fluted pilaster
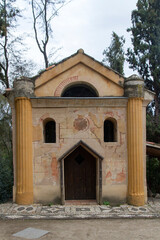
<point>135,153</point>
<point>24,169</point>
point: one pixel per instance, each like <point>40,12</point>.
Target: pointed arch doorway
<point>80,175</point>
<point>81,171</point>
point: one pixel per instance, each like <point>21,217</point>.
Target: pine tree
<point>145,55</point>
<point>114,54</point>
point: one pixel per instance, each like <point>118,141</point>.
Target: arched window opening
<point>110,131</point>
<point>79,90</point>
<point>50,132</point>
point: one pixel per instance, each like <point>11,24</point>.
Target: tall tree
<point>114,55</point>
<point>145,55</point>
<point>5,127</point>
<point>6,165</point>
<point>43,12</point>
<point>8,15</point>
<point>12,50</point>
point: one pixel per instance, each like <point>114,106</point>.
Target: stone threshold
<point>80,202</point>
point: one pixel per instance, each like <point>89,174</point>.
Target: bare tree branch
<point>43,12</point>
<point>34,26</point>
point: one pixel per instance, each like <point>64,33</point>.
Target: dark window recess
<point>79,91</point>
<point>109,131</point>
<point>50,132</point>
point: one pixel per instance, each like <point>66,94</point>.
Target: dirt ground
<point>110,229</point>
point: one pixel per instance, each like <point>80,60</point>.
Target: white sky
<point>86,24</point>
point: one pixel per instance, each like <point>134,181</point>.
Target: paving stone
<point>143,209</point>
<point>52,210</point>
<point>14,217</point>
<point>67,209</point>
<point>134,209</point>
<point>20,208</point>
<point>29,209</point>
<point>38,211</point>
<point>105,210</point>
<point>138,210</point>
<point>24,209</point>
<point>5,207</point>
<point>30,233</point>
<point>83,209</point>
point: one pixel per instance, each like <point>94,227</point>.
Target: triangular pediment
<point>83,145</point>
<point>79,68</point>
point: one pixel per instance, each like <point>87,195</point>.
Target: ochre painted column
<point>24,168</point>
<point>135,153</point>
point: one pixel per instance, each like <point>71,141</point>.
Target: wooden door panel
<point>80,175</point>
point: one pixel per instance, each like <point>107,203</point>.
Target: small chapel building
<point>79,133</point>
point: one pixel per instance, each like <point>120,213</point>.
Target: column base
<point>136,200</point>
<point>24,198</point>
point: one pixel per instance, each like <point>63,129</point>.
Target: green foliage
<point>153,128</point>
<point>6,177</point>
<point>153,174</point>
<point>145,55</point>
<point>6,168</point>
<point>114,54</point>
<point>12,52</point>
<point>50,204</point>
<point>8,14</point>
<point>107,203</point>
<point>5,127</point>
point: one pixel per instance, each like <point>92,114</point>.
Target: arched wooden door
<point>80,175</point>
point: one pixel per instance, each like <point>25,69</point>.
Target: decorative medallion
<point>80,123</point>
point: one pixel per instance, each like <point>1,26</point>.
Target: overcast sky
<point>86,24</point>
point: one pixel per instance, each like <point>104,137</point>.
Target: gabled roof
<point>85,146</point>
<point>73,60</point>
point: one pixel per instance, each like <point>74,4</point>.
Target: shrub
<point>6,178</point>
<point>153,174</point>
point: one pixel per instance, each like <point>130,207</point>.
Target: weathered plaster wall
<point>74,124</point>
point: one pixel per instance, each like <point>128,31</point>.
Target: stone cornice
<point>78,102</point>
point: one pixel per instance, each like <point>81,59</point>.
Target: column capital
<point>23,87</point>
<point>134,87</point>
<point>136,98</point>
<point>20,98</point>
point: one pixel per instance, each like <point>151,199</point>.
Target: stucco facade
<point>40,167</point>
